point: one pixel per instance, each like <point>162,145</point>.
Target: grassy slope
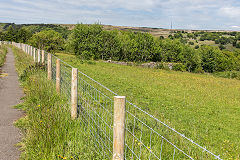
<point>203,107</point>
<point>49,132</point>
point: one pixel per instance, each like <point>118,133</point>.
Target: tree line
<point>93,42</point>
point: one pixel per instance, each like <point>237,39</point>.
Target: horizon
<point>182,14</point>
<point>122,26</point>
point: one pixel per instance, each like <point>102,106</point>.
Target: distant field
<point>154,31</point>
<point>203,107</point>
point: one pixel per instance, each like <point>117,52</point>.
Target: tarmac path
<point>10,94</point>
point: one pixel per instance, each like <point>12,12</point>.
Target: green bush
<point>196,47</point>
<point>191,43</point>
<point>238,45</point>
<point>179,67</point>
<point>49,40</point>
<point>228,74</point>
<point>221,47</point>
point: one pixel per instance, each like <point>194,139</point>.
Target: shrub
<point>238,45</point>
<point>191,43</point>
<point>48,40</point>
<point>221,47</point>
<point>228,74</point>
<point>179,67</point>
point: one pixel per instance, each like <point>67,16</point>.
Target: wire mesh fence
<point>149,138</point>
<point>146,137</point>
<point>66,76</point>
<point>53,67</point>
<point>96,110</point>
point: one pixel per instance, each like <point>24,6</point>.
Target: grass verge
<point>49,132</point>
<point>3,53</point>
<point>203,107</point>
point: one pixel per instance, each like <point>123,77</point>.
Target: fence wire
<point>146,137</point>
<point>54,67</point>
<point>95,109</point>
<point>65,81</point>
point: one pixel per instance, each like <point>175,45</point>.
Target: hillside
<point>154,31</point>
<point>202,107</point>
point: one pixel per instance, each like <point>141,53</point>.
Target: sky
<point>184,14</point>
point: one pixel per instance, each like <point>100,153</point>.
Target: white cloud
<point>232,12</point>
<point>205,14</point>
<point>235,27</point>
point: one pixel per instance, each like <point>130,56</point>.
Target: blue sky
<point>184,14</point>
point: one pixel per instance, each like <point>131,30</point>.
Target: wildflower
<point>39,105</point>
<point>64,157</point>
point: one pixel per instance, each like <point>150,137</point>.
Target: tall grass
<point>3,53</point>
<point>49,132</point>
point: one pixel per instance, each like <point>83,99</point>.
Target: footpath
<point>10,94</point>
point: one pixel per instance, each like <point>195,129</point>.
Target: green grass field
<point>203,107</point>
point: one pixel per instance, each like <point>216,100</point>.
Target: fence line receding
<point>145,137</point>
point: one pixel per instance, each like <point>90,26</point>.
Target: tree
<point>2,36</point>
<point>196,47</point>
<point>191,43</point>
<point>213,59</point>
<point>23,35</point>
<point>221,47</point>
<point>48,40</point>
<point>238,45</point>
<point>85,39</point>
<point>161,37</point>
<point>109,46</point>
<point>10,35</point>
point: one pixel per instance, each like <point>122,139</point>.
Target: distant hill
<point>67,27</point>
<point>33,28</point>
<point>154,31</point>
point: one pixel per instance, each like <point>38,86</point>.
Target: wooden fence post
<point>34,54</point>
<point>119,127</point>
<point>74,93</point>
<point>39,58</point>
<point>58,75</point>
<point>43,56</point>
<point>49,66</point>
